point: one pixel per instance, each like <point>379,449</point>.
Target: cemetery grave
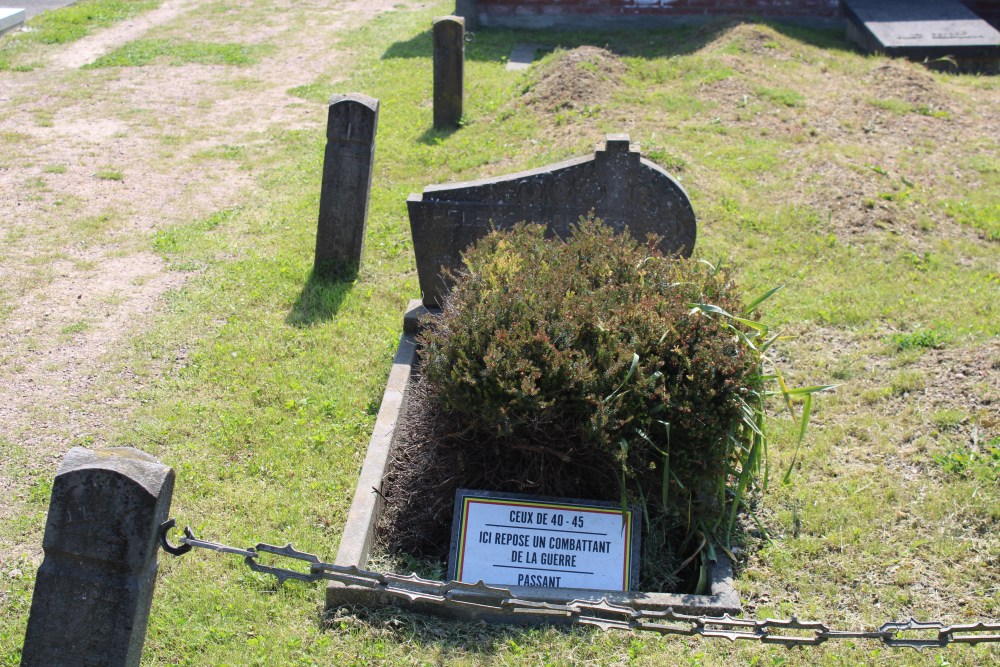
<point>867,184</point>
<point>630,194</point>
<point>945,31</point>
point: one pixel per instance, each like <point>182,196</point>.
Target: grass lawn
<point>869,187</point>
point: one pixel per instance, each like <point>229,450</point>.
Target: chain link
<point>604,615</point>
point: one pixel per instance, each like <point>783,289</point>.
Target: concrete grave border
<point>11,18</point>
<point>359,531</point>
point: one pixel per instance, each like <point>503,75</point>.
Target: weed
<point>948,419</point>
<point>919,339</point>
<point>75,328</point>
<point>981,463</point>
<point>110,175</point>
<point>907,382</point>
<point>783,96</point>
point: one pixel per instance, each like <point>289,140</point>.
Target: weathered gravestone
<point>95,586</point>
<point>922,29</point>
<point>616,184</point>
<point>347,175</point>
<point>449,71</point>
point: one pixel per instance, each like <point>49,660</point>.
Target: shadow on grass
<point>495,44</point>
<point>452,637</point>
<point>320,298</point>
<point>433,137</point>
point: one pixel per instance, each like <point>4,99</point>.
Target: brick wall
<point>545,11</point>
<point>663,8</point>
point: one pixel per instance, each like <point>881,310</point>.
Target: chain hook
<point>165,543</point>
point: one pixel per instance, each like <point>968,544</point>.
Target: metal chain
<point>605,615</point>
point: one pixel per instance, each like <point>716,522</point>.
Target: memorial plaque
<point>920,29</point>
<point>615,184</point>
<point>511,539</point>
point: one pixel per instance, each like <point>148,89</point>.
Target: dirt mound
<point>736,37</point>
<point>909,83</point>
<point>575,79</point>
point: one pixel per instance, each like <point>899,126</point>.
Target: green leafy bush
<point>603,367</point>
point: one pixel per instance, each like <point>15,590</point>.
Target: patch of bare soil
<point>582,77</point>
<point>78,54</point>
<point>94,163</point>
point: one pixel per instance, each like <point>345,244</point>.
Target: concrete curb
<point>11,19</point>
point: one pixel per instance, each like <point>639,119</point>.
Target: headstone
<point>921,29</point>
<point>352,121</point>
<point>449,71</point>
<point>95,585</point>
<point>616,184</point>
<point>10,18</point>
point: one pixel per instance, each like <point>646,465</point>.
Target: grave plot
<point>923,30</point>
<point>558,558</point>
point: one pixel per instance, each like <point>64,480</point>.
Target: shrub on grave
<point>591,367</point>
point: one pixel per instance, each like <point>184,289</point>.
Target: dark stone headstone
<point>352,121</point>
<point>920,29</point>
<point>616,184</point>
<point>449,70</point>
<point>95,585</point>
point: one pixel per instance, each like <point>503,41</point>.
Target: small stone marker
<point>920,29</point>
<point>10,18</point>
<point>95,586</point>
<point>620,187</point>
<point>449,71</point>
<point>352,122</point>
<point>511,539</point>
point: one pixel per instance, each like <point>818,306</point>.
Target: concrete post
<point>449,71</point>
<point>469,11</point>
<point>352,121</point>
<point>95,585</point>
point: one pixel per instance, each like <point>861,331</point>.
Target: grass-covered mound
<point>589,367</point>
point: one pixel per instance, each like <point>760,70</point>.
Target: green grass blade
<point>803,425</point>
<point>761,299</point>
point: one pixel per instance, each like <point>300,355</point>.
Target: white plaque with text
<point>517,540</point>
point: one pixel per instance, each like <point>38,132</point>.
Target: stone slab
<point>920,29</point>
<point>521,56</point>
<point>355,544</point>
<point>615,184</point>
<point>36,7</point>
<point>11,18</point>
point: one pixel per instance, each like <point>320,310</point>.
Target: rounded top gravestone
<point>615,184</point>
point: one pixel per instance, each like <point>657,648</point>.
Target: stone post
<point>95,585</point>
<point>449,71</point>
<point>469,11</point>
<point>352,121</point>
